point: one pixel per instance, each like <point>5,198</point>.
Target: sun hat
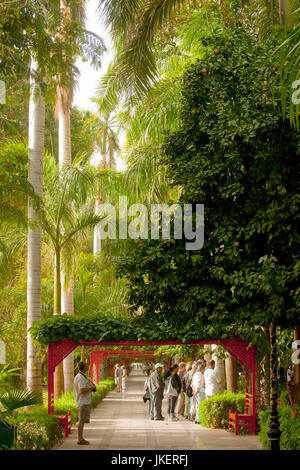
<point>158,365</point>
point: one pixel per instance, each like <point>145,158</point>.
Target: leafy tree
<point>234,153</point>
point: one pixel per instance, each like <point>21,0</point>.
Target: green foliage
<point>16,398</point>
<point>234,153</point>
<point>290,63</point>
<point>36,430</point>
<point>97,287</point>
<point>82,137</point>
<point>214,411</point>
<point>14,187</point>
<point>290,429</point>
<point>183,351</point>
<point>64,404</point>
<point>6,373</point>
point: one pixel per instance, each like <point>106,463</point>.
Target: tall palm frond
<point>12,244</point>
<point>118,15</point>
<point>17,398</point>
<point>14,187</point>
<point>6,372</point>
<point>66,211</point>
<point>135,68</point>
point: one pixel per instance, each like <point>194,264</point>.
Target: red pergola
<point>240,350</point>
<point>98,357</point>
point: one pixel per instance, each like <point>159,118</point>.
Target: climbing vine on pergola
<point>64,333</point>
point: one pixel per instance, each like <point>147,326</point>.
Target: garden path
<point>121,421</point>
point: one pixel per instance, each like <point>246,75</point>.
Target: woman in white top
<point>198,385</point>
<point>212,380</point>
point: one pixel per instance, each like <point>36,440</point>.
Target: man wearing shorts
<point>83,399</point>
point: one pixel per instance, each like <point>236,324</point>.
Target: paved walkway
<point>121,421</point>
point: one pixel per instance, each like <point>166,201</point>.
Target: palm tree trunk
<point>65,158</point>
<point>35,177</point>
<point>67,303</point>
<point>64,127</point>
<point>97,237</point>
<point>284,12</point>
<point>220,369</point>
<point>231,373</point>
<point>58,374</point>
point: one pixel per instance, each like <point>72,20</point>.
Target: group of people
<point>184,385</point>
<point>120,377</point>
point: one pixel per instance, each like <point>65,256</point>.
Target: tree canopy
<point>235,154</point>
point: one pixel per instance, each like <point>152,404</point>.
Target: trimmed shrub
<point>36,430</point>
<point>64,404</point>
<point>214,411</point>
<point>290,429</point>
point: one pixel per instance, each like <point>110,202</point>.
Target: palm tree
<point>34,268</point>
<point>105,130</point>
<point>64,103</point>
<point>16,398</point>
<point>64,215</point>
<point>71,12</point>
<point>135,23</point>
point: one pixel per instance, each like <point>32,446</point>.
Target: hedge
<point>36,430</point>
<point>214,411</point>
<point>290,429</point>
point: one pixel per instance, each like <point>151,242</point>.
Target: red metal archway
<point>240,350</point>
<point>98,357</point>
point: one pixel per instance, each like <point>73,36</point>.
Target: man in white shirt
<point>212,380</point>
<point>83,399</point>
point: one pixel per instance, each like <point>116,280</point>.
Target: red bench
<point>246,420</point>
<point>65,423</point>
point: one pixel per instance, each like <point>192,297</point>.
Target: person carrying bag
<point>173,388</point>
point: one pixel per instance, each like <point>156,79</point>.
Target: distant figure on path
<point>212,380</point>
<point>148,368</point>
<point>146,396</point>
<point>156,389</point>
<point>181,396</point>
<point>83,399</point>
<point>124,375</point>
<point>118,377</point>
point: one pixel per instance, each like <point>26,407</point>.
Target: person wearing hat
<point>156,388</point>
